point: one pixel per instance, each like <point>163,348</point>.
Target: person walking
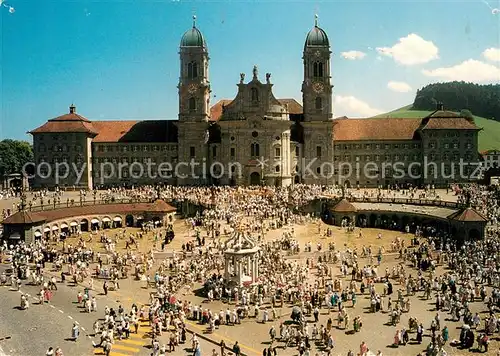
<point>237,349</point>
<point>75,332</point>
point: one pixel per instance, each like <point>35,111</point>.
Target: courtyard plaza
<point>252,333</point>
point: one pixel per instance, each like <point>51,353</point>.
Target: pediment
<point>255,122</point>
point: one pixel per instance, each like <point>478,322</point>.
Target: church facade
<point>255,138</point>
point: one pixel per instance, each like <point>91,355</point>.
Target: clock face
<point>192,88</point>
<point>317,53</point>
<point>318,87</point>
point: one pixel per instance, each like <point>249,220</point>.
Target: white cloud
<point>353,107</point>
<point>492,54</point>
<point>400,87</point>
<point>470,70</point>
<point>411,50</point>
<point>353,55</point>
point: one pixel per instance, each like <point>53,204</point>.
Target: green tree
<point>482,100</point>
<point>467,114</point>
<point>14,155</point>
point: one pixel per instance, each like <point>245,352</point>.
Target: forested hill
<point>481,100</point>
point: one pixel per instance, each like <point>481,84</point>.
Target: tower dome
<point>193,37</point>
<point>317,37</point>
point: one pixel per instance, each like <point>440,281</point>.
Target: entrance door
<point>255,178</point>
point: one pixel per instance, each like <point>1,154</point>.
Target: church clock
<point>192,88</point>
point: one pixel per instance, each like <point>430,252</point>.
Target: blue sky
<point>119,59</point>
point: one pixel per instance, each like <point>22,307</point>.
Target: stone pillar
<point>226,267</point>
<point>255,268</point>
<point>249,265</point>
<point>237,269</point>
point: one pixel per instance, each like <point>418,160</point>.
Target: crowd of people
<point>321,289</point>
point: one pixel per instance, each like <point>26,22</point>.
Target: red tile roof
<point>71,122</point>
<point>344,206</point>
<point>456,123</point>
<point>216,110</point>
<point>24,217</point>
<point>374,129</point>
<point>444,114</point>
<point>136,131</point>
<point>467,215</point>
<point>112,131</point>
<point>65,126</point>
<point>158,206</point>
<point>72,116</point>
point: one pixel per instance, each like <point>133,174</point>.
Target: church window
<point>318,103</point>
<point>255,134</point>
<point>318,151</point>
<point>192,70</point>
<point>233,152</point>
<point>192,104</point>
<point>277,152</point>
<point>255,94</point>
<point>277,168</point>
<point>255,150</point>
<point>214,151</point>
<point>192,152</point>
<point>41,148</point>
<point>318,70</point>
<point>297,151</point>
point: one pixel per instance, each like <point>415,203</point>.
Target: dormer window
<point>318,69</point>
<point>255,95</point>
<point>192,70</point>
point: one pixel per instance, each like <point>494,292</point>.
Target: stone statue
<point>242,77</point>
<point>268,78</point>
<point>255,72</point>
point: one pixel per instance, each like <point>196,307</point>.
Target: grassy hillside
<point>489,137</point>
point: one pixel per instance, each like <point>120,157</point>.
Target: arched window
<point>254,150</point>
<point>192,104</point>
<point>318,104</point>
<point>318,69</point>
<point>192,70</point>
<point>255,94</point>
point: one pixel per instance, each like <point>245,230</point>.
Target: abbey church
<point>275,141</point>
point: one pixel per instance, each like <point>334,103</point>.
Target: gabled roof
<point>216,110</point>
<point>374,129</point>
<point>467,215</point>
<point>343,206</point>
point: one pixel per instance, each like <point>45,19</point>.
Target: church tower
<point>194,86</point>
<point>317,87</point>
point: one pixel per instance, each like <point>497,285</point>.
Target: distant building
<point>298,143</point>
<point>491,159</point>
